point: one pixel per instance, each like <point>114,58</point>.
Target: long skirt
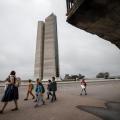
<point>11,93</point>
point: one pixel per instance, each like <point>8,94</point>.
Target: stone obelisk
<point>47,57</point>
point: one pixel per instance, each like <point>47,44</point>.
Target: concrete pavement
<point>66,107</point>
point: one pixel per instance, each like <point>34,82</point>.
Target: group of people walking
<point>40,90</point>
<point>11,91</point>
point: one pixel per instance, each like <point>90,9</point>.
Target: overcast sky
<point>79,51</point>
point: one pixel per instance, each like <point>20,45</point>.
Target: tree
<point>106,75</point>
<point>100,75</point>
<point>103,75</point>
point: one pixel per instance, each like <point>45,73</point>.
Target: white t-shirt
<point>82,86</point>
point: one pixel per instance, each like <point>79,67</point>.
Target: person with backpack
<point>43,91</point>
<point>83,86</point>
<point>11,92</point>
<point>53,89</point>
<point>49,89</point>
<point>30,90</point>
<point>40,90</point>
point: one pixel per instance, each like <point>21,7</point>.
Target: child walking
<point>53,89</point>
<point>83,86</point>
<point>30,90</point>
<point>39,94</point>
<point>49,89</point>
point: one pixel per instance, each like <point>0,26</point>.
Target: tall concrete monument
<point>46,57</point>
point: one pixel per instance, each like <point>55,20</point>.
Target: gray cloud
<point>80,52</point>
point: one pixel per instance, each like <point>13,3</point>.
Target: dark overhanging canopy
<point>100,17</point>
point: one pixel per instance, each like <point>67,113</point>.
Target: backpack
<point>53,86</point>
<point>18,82</point>
<point>43,89</point>
<point>32,86</point>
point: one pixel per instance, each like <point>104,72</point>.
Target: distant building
<point>47,57</point>
<point>115,77</point>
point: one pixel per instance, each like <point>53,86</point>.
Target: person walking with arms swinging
<point>30,90</point>
<point>11,92</point>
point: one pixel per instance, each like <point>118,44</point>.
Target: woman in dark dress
<point>11,92</point>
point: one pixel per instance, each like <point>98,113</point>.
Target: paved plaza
<point>102,102</point>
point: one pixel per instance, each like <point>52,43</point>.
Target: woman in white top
<point>11,92</point>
